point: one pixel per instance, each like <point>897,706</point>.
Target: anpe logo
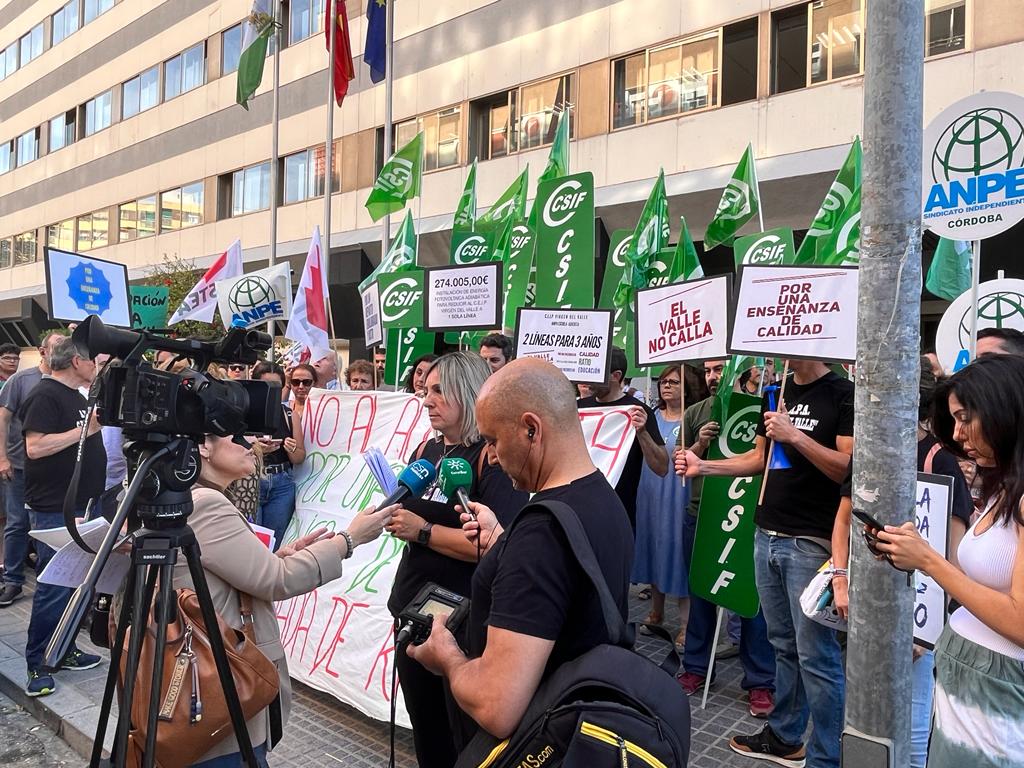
<point>249,293</point>
<point>769,249</point>
<point>565,200</point>
<point>400,298</point>
<point>470,250</point>
<point>977,142</point>
<point>1003,309</point>
<point>738,435</point>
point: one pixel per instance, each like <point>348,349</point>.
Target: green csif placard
<point>471,247</point>
<point>565,242</point>
<point>402,347</point>
<point>518,267</point>
<point>773,246</point>
<point>149,306</point>
<point>401,299</point>
<point>722,569</point>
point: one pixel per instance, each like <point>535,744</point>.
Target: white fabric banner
<point>250,300</point>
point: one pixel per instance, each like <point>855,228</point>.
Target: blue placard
<point>78,286</point>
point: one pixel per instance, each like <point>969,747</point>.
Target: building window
<point>25,248</point>
<point>64,22</point>
<point>492,125</point>
<point>94,8</point>
<point>97,114</point>
<point>231,49</point>
<point>6,156</point>
<point>789,49</point>
<point>61,235</point>
<point>837,35</point>
<point>250,189</point>
<point>441,135</point>
<point>28,147</point>
<point>92,230</point>
<point>141,92</point>
<point>5,254</point>
<point>192,204</point>
<point>62,130</point>
<point>304,174</point>
<point>185,72</point>
<point>945,26</point>
<point>739,62</point>
<point>137,219</point>
<point>31,44</point>
<point>11,60</point>
<point>540,106</point>
<point>305,18</point>
<point>521,119</point>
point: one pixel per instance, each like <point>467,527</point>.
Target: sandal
<point>681,639</point>
<point>644,593</point>
<point>652,618</point>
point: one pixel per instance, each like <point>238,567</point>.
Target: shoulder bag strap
<point>930,457</point>
<point>245,610</point>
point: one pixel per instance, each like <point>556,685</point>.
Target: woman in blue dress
<point>660,512</point>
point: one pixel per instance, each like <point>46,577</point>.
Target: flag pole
<point>389,88</point>
<point>329,174</point>
<point>274,153</point>
<point>975,282</point>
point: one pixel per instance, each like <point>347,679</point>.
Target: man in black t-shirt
<point>532,607</point>
<point>648,446</point>
<point>814,429</point>
<point>52,419</point>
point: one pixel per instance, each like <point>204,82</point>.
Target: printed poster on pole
<point>577,341</point>
<point>463,298</point>
<point>682,322</point>
<point>78,286</point>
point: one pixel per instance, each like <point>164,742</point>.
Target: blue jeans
<point>756,653</point>
<point>809,679</point>
<point>16,529</point>
<point>923,686</point>
<point>48,602</point>
<point>234,760</point>
<point>277,503</point>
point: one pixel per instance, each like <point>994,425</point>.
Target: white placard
<point>576,341</point>
<point>78,286</point>
<point>1000,304</point>
<point>807,313</point>
<point>973,167</point>
<point>463,298</point>
<point>373,331</point>
<point>682,322</point>
<point>934,505</point>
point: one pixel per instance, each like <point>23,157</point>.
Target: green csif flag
<point>739,203</point>
<point>403,346</point>
<point>259,27</point>
<point>399,180</point>
<point>565,242</point>
<point>842,247</point>
<point>686,264</point>
<point>511,205</point>
<point>847,182</point>
<point>558,162</point>
<point>950,272</point>
<point>517,252</point>
<point>401,256</point>
<point>650,236</point>
<point>465,213</point>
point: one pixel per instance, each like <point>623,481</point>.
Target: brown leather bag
<point>193,716</point>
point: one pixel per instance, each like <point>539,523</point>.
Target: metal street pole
<point>389,90</point>
<point>878,694</point>
<point>274,153</point>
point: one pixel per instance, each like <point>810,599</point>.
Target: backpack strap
<point>930,457</point>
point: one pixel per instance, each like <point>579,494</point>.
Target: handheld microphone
<point>412,481</point>
<point>456,478</point>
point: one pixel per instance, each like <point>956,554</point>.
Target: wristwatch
<point>423,537</point>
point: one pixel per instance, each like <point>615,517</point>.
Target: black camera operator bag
<point>609,708</point>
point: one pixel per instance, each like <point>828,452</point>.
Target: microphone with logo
<point>455,479</point>
<point>413,481</point>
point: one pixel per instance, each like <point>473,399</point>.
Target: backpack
<point>609,708</point>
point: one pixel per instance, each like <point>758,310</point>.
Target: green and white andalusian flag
<point>259,27</point>
<point>847,182</point>
<point>465,212</point>
<point>950,272</point>
<point>401,256</point>
<point>399,180</point>
<point>739,203</point>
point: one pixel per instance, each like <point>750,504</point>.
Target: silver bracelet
<point>349,543</point>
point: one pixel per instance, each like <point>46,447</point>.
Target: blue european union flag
<point>375,53</point>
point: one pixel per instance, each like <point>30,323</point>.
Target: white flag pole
<point>274,152</point>
<point>711,661</point>
<point>975,282</point>
<point>325,242</point>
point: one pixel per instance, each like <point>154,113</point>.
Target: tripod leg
<point>115,662</point>
<point>195,567</point>
<point>140,618</point>
<point>166,596</point>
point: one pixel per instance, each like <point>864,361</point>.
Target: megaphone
<point>778,458</point>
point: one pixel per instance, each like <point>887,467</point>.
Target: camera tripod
<point>167,469</point>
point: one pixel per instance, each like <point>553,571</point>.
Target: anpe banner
<point>471,247</point>
<point>402,347</point>
<point>576,341</point>
<point>803,312</point>
<point>518,267</point>
<point>401,299</point>
<point>149,305</point>
<point>771,247</point>
<point>1000,305</point>
<point>253,298</point>
<point>680,322</point>
<point>565,242</point>
<point>609,434</point>
<point>722,569</point>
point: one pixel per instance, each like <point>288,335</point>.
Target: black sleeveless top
<point>280,456</point>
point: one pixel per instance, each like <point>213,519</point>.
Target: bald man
<point>532,606</point>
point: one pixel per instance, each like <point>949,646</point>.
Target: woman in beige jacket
<point>236,561</point>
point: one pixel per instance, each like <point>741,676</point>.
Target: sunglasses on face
<point>236,367</point>
<point>302,382</point>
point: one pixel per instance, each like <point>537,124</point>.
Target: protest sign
<point>609,434</point>
<point>401,299</point>
<point>149,306</point>
<point>463,298</point>
<point>1000,305</point>
<point>934,506</point>
<point>722,568</point>
<point>565,242</point>
<point>373,329</point>
<point>402,347</point>
<point>470,247</point>
<point>78,286</point>
<point>682,321</point>
<point>251,299</point>
<point>773,246</point>
<point>577,341</point>
<point>804,312</point>
<point>614,266</point>
<point>518,268</point>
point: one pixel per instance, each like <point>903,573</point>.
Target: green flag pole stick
<point>398,362</point>
<point>771,446</point>
<point>711,662</point>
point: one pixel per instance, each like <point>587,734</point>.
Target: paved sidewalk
<point>324,732</point>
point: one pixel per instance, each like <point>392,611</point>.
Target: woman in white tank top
<point>979,695</point>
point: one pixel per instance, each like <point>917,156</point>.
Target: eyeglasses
<point>10,358</point>
<point>236,367</point>
<point>669,382</point>
<point>302,382</point>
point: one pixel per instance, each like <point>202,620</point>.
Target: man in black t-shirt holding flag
<point>814,429</point>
